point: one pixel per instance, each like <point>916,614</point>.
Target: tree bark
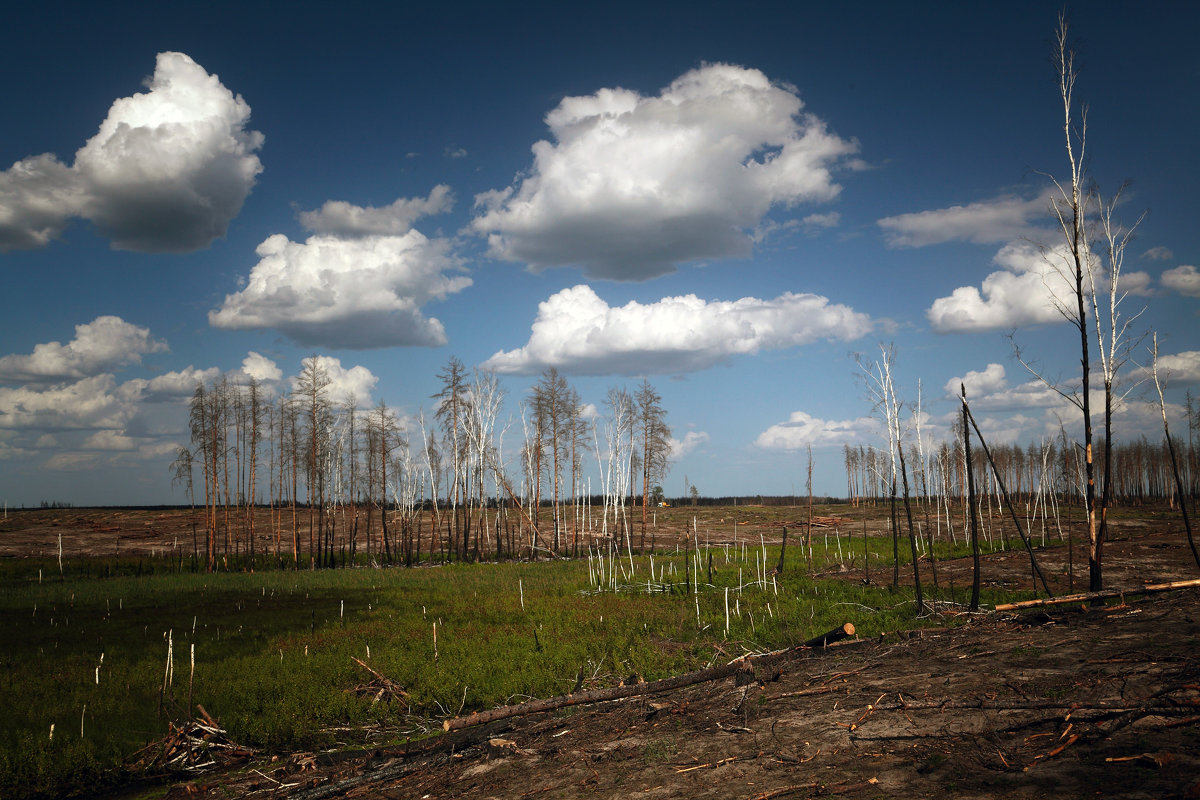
<point>975,577</point>
<point>1085,596</point>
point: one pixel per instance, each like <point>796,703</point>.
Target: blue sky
<point>728,199</point>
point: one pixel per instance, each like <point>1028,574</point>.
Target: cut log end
<point>835,635</point>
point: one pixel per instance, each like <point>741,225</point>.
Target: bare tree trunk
<point>912,538</point>
<point>975,577</point>
<point>1037,571</point>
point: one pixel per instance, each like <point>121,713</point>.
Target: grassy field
<point>85,658</point>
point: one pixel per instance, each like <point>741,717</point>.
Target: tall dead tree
<point>1073,262</point>
<point>384,436</point>
<point>579,442</point>
<point>1112,331</point>
<point>312,394</point>
<point>655,441</point>
<point>254,411</point>
<point>974,523</point>
<point>453,407</point>
<point>551,400</point>
<point>882,389</point>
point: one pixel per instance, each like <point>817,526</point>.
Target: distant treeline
<point>427,505</point>
<point>756,500</point>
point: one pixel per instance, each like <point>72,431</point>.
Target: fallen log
<point>1075,598</point>
<point>742,664</point>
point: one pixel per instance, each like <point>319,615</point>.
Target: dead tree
<point>1183,498</point>
<point>975,577</point>
<point>1037,571</point>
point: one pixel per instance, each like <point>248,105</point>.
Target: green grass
<point>273,650</point>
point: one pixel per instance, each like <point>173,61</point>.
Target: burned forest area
<point>1066,703</point>
<point>1076,699</point>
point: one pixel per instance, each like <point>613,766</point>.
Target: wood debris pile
<point>193,746</point>
<point>827,522</point>
<point>380,687</point>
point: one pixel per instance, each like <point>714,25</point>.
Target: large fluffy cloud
<point>260,368</point>
<point>631,186</point>
<point>166,172</point>
<point>1034,286</point>
<point>101,345</point>
<point>91,403</point>
<point>978,382</point>
<point>998,220</point>
<point>1027,290</point>
<point>337,292</point>
<point>576,331</point>
<point>38,197</point>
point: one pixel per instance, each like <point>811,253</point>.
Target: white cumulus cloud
<point>354,293</point>
<point>1173,369</point>
<point>103,344</point>
<point>1027,396</point>
<point>166,172</point>
<point>257,366</point>
<point>988,381</point>
<point>690,441</point>
<point>356,382</point>
<point>578,332</point>
<point>339,218</point>
<point>176,384</point>
<point>89,403</point>
<point>1184,279</point>
<point>631,186</point>
<point>1027,290</point>
<point>802,429</point>
<point>38,197</point>
<point>998,220</point>
<point>1131,283</point>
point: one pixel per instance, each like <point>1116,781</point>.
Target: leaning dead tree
<point>743,665</point>
<point>966,430</point>
<point>1037,571</point>
<point>1183,499</point>
<point>1152,588</point>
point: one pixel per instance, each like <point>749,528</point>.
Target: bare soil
<point>1065,702</point>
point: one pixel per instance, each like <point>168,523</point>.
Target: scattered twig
<point>705,766</point>
<point>800,787</point>
<point>1074,738</point>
